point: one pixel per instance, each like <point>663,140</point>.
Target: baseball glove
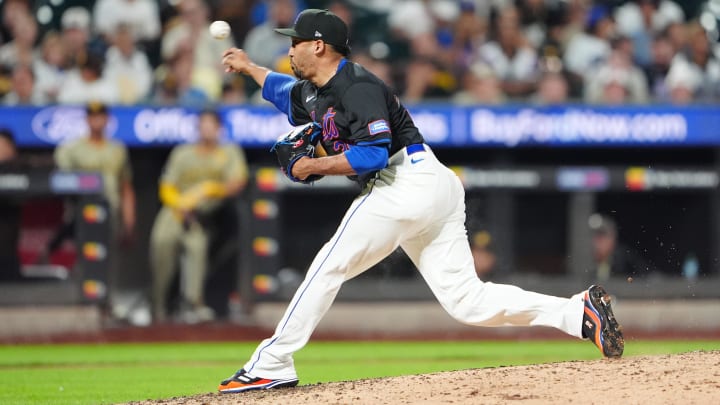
<point>300,142</point>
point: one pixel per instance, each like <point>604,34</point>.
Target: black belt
<point>415,148</point>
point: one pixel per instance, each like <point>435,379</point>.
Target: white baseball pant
<point>418,204</point>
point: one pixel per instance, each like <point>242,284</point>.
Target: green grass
<point>112,373</point>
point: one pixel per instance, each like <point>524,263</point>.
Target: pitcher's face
<point>302,57</point>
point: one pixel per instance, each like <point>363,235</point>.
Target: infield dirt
<point>689,378</point>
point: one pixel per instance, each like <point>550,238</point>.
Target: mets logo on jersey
<point>330,130</point>
<point>378,127</point>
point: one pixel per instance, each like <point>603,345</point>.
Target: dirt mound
<point>689,378</point>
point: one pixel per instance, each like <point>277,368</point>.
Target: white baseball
<point>219,29</point>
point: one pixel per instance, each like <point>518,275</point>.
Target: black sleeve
<point>368,116</point>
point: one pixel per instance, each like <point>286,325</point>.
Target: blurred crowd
<point>159,52</point>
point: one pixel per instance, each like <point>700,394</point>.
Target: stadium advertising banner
<point>442,125</point>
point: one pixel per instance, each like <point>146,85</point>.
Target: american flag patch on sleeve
<point>377,127</point>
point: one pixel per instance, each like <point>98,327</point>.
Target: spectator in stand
<point>558,29</point>
<point>484,8</point>
<point>237,13</point>
<point>425,27</point>
<point>617,80</point>
<point>425,78</point>
<point>24,91</point>
<point>127,67</point>
<point>511,56</point>
<point>624,46</point>
<point>367,29</point>
<point>470,32</point>
<point>177,81</point>
<point>698,61</point>
<point>656,72</point>
<point>533,14</point>
<point>614,87</point>
<point>263,44</point>
<point>410,18</point>
<point>49,67</point>
<point>683,81</point>
<point>12,12</point>
<point>677,34</point>
<point>173,81</point>
<point>141,17</point>
<point>480,86</point>
<point>438,34</point>
<point>553,89</point>
<point>188,36</point>
<point>445,15</point>
<point>85,83</point>
<point>586,49</point>
<point>75,23</point>
<point>550,53</point>
<point>641,20</point>
<point>21,50</point>
<point>233,91</point>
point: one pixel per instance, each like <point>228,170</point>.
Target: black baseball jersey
<point>354,108</point>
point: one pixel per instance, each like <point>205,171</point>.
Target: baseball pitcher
<point>409,199</point>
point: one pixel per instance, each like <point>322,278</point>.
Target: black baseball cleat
<point>244,381</point>
<point>599,323</point>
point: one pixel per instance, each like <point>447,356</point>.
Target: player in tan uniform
<point>196,178</point>
<point>98,153</point>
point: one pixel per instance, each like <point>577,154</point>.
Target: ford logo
<point>59,124</point>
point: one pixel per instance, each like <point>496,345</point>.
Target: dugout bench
<point>81,280</point>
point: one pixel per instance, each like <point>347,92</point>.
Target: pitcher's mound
<point>689,378</point>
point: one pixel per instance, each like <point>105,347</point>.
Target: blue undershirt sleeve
<point>276,90</point>
<point>365,159</point>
